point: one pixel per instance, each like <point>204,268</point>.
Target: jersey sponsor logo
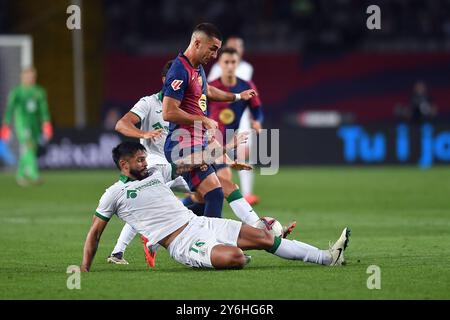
<point>227,116</point>
<point>131,194</point>
<point>151,183</point>
<point>176,84</point>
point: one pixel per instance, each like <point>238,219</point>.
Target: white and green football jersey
<point>148,205</point>
<point>149,110</point>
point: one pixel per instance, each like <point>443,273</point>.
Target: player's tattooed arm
<point>215,94</point>
<point>180,167</point>
<point>91,244</point>
<point>127,126</point>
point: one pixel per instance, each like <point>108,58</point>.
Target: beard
<point>140,175</point>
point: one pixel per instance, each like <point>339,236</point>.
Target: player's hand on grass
<point>152,134</point>
<point>209,123</point>
<point>84,269</point>
<point>240,166</point>
<point>5,133</point>
<point>248,94</point>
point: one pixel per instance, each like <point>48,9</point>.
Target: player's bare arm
<point>91,243</point>
<point>127,126</point>
<point>173,113</point>
<point>216,94</point>
<point>257,126</point>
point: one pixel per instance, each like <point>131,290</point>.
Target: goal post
<point>16,53</point>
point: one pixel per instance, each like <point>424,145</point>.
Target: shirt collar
<point>189,62</point>
<point>124,178</point>
<point>160,96</point>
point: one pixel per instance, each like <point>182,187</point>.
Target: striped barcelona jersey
<point>228,115</point>
<point>188,85</point>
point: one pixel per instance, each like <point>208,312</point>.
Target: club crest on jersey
<point>176,84</point>
<point>200,81</point>
<point>202,103</point>
<point>227,116</point>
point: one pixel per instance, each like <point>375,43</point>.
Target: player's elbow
<point>119,126</point>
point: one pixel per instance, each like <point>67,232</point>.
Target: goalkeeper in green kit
<point>27,104</point>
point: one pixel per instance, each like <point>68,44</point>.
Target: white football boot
<point>337,249</point>
<point>117,258</point>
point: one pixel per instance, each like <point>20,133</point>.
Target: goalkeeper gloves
<point>47,130</point>
<point>5,133</point>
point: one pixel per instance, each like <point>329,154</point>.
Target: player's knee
<point>197,197</point>
<point>226,257</point>
<point>237,259</point>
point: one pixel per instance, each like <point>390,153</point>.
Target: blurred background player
<point>243,71</point>
<point>27,104</point>
<point>421,107</point>
<point>184,105</point>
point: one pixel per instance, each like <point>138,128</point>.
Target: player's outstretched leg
<point>126,235</point>
<point>252,238</point>
<point>240,206</point>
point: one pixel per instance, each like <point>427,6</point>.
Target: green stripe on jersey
<point>98,215</point>
<point>140,119</point>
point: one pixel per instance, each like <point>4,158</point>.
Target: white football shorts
<point>193,246</point>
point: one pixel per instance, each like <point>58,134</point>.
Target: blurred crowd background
<point>316,64</point>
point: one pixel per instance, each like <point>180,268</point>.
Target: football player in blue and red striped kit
<point>185,103</point>
<point>228,116</point>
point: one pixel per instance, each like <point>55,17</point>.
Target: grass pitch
<point>400,221</point>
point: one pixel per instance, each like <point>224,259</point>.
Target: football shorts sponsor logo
<point>176,84</point>
<point>227,116</point>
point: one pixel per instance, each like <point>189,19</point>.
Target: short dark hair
<point>125,149</point>
<point>166,68</point>
<point>228,50</point>
<point>209,29</point>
